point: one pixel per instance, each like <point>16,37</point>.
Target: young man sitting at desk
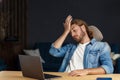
<point>87,57</point>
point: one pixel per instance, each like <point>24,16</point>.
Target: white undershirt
<point>76,61</point>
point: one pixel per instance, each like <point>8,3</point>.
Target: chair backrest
<point>96,32</point>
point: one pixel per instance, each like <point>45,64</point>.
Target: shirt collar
<point>93,41</point>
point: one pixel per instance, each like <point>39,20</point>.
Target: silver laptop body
<point>31,66</point>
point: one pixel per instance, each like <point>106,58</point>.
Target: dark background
<point>46,17</point>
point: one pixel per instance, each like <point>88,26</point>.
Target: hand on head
<point>67,23</point>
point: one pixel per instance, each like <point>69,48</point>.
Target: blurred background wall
<point>46,17</point>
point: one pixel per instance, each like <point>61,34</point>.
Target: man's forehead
<point>74,26</point>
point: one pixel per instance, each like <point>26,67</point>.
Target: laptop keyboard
<point>47,76</point>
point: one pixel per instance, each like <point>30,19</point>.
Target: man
<point>89,56</point>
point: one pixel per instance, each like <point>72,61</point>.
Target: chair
<point>96,32</point>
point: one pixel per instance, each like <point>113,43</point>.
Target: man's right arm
<point>58,43</point>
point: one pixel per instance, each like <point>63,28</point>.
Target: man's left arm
<point>105,59</point>
<point>89,71</point>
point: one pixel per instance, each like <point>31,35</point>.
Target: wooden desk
<point>17,75</point>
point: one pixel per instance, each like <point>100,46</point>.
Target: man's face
<point>77,33</point>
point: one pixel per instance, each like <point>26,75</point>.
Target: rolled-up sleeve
<point>58,52</point>
<point>106,60</point>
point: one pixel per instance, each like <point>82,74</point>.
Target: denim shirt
<point>97,54</point>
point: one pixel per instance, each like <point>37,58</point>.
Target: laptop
<point>31,66</point>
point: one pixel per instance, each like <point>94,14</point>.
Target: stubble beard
<point>80,38</point>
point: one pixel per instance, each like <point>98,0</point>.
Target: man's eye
<point>74,30</point>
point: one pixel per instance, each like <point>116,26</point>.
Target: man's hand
<point>79,72</point>
<point>91,71</point>
<point>67,23</point>
<point>58,43</point>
